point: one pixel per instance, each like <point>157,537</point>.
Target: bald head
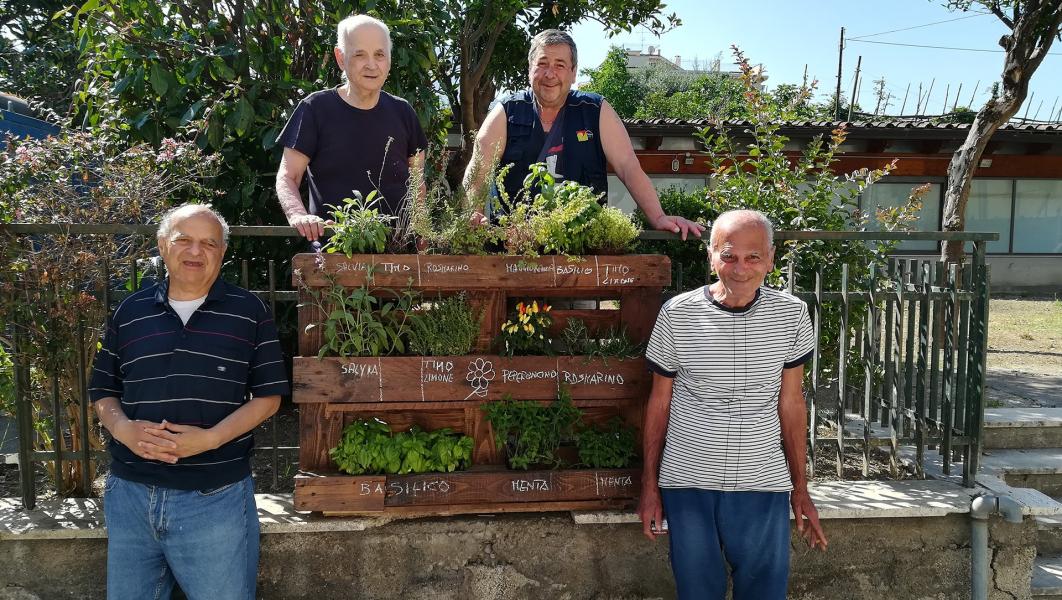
<point>174,216</point>
<point>349,25</point>
<point>733,221</point>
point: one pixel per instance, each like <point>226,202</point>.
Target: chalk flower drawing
<point>480,374</point>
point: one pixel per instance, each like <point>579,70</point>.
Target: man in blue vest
<point>577,134</point>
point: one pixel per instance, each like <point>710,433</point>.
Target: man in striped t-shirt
<point>726,427</point>
<point>188,367</point>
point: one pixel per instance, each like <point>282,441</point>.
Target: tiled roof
<point>879,124</point>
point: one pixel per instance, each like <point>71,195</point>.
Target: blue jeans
<point>206,541</point>
<point>708,530</point>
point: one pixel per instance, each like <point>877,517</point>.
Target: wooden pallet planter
<point>448,391</point>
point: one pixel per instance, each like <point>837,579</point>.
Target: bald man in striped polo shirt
<point>726,427</point>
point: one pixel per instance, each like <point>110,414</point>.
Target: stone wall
<point>549,556</point>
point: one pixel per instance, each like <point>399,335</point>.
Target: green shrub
<point>612,232</point>
<point>359,227</point>
<point>364,322</point>
<point>530,431</point>
<point>614,343</point>
<point>449,328</point>
<point>609,446</point>
<point>369,447</point>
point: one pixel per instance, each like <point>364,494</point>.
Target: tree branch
<point>998,12</point>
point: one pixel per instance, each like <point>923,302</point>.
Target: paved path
<point>1014,389</point>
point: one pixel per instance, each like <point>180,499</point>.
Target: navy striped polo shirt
<point>195,374</point>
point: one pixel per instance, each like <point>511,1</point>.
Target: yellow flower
<point>534,306</point>
<point>512,329</point>
<point>529,329</point>
<point>525,318</point>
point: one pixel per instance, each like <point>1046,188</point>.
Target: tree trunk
<point>1034,26</point>
<point>963,164</point>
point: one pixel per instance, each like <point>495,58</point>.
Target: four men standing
<point>190,366</point>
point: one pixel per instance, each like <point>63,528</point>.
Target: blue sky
<point>786,35</point>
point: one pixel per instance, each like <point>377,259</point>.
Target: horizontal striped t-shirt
<point>195,373</point>
<point>723,431</point>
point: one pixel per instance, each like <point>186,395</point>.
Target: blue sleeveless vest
<point>583,159</point>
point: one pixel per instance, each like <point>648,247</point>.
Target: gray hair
<point>170,217</point>
<point>349,24</point>
<point>552,37</point>
<point>746,215</point>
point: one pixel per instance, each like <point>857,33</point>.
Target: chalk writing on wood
<point>614,274</point>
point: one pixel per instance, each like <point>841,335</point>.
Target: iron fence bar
<point>134,285</point>
<point>66,455</point>
<point>964,279</point>
<point>24,417</point>
<point>273,419</point>
<point>948,376</point>
<point>790,284</point>
<point>976,397</point>
<point>923,343</point>
<point>842,371</point>
<point>787,235</point>
<point>57,431</point>
<point>892,317</point>
<point>869,363</point>
<point>287,231</point>
<point>934,294</point>
<point>936,325</point>
<point>909,352</point>
<point>82,392</point>
<point>813,409</point>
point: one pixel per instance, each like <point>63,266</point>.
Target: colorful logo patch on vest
<point>584,135</point>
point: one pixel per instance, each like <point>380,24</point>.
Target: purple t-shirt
<point>346,146</point>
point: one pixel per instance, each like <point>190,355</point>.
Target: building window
<point>988,209</point>
<point>888,195</point>
<point>1038,216</point>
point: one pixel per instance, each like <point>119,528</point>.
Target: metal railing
<point>909,362</point>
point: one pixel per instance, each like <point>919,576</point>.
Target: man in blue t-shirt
<point>354,138</point>
<point>187,369</point>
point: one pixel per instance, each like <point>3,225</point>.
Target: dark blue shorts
<point>709,530</point>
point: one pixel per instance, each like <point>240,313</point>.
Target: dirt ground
<point>1025,335</point>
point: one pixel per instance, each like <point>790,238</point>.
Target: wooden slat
<point>319,432</point>
<point>385,408</point>
<point>491,308</point>
<point>410,512</point>
<point>638,310</point>
<point>355,494</point>
<point>363,493</point>
<point>455,273</point>
<point>309,337</point>
<point>463,378</point>
<point>598,322</point>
